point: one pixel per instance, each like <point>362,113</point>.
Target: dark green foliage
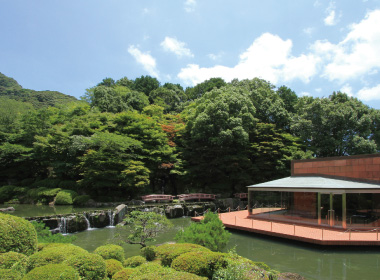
<point>123,274</point>
<point>149,253</point>
<point>146,84</point>
<point>52,272</point>
<point>81,199</point>
<point>17,235</point>
<point>200,89</point>
<point>113,266</point>
<point>6,193</point>
<point>44,235</point>
<point>209,232</point>
<point>134,261</point>
<point>89,266</point>
<point>110,251</point>
<point>168,252</point>
<point>200,263</point>
<point>55,255</point>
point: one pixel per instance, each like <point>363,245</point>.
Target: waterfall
<point>87,222</point>
<point>111,217</point>
<point>63,225</point>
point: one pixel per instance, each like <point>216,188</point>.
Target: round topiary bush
<point>111,251</point>
<point>150,271</point>
<point>52,272</point>
<point>89,266</point>
<point>200,263</point>
<point>55,255</point>
<point>123,274</point>
<point>113,266</point>
<point>168,252</point>
<point>10,274</point>
<point>10,259</point>
<point>17,235</point>
<point>149,253</point>
<point>134,261</point>
<point>64,198</point>
<point>81,199</point>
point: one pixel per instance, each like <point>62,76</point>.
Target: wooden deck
<point>323,236</point>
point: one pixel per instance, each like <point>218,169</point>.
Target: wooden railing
<point>198,196</point>
<point>155,197</point>
<point>241,195</point>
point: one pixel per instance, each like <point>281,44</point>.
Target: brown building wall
<point>305,202</point>
<point>361,168</point>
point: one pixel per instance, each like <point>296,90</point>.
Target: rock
<point>175,211</point>
<point>99,219</point>
<point>55,231</point>
<point>91,203</point>
<point>51,222</point>
<point>119,213</point>
<point>76,223</point>
<point>290,276</point>
<point>158,210</point>
<point>8,209</point>
<point>136,202</point>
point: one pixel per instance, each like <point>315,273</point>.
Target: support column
<point>250,197</point>
<point>331,212</point>
<point>344,211</point>
<point>319,209</point>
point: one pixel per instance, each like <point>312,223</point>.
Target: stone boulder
<point>99,219</point>
<point>74,223</point>
<point>191,209</point>
<point>8,209</point>
<point>175,211</point>
<point>119,213</point>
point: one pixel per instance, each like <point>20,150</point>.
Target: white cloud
<point>304,93</point>
<point>368,94</point>
<point>215,57</point>
<point>308,31</point>
<point>318,89</point>
<point>190,5</point>
<point>176,47</point>
<point>331,18</point>
<point>269,57</point>
<point>347,89</point>
<point>357,54</point>
<point>145,59</point>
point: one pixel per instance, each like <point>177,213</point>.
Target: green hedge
<point>200,263</point>
<point>81,199</point>
<point>89,266</point>
<point>168,252</point>
<point>52,272</point>
<point>10,274</point>
<point>65,197</point>
<point>55,255</point>
<point>17,235</point>
<point>111,251</point>
<point>149,252</point>
<point>123,274</point>
<point>134,261</point>
<point>13,259</point>
<point>113,266</point>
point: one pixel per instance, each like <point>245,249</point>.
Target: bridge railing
<point>151,197</point>
<point>196,196</point>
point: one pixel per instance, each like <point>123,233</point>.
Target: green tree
<point>200,89</point>
<point>289,98</point>
<point>146,84</point>
<point>143,227</point>
<point>209,232</point>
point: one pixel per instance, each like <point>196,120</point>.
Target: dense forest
<point>128,137</point>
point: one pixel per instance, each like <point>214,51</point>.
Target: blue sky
<point>314,47</point>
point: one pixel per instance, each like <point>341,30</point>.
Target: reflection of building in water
<point>339,192</point>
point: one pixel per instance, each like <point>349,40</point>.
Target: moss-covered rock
<point>134,261</point>
<point>168,252</point>
<point>89,266</point>
<point>52,272</point>
<point>111,251</point>
<point>55,255</point>
<point>113,266</point>
<point>17,235</point>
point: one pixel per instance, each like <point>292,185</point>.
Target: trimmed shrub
<point>113,266</point>
<point>134,261</point>
<point>9,274</point>
<point>200,263</point>
<point>123,274</point>
<point>81,199</point>
<point>168,252</point>
<point>89,266</point>
<point>149,253</point>
<point>52,254</point>
<point>42,246</point>
<point>110,251</point>
<point>12,259</point>
<point>52,272</point>
<point>17,235</point>
<point>65,197</point>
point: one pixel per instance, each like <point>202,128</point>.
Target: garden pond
<point>312,262</point>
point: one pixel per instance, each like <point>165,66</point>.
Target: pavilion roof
<point>316,184</point>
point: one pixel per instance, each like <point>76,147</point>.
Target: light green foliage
<point>200,89</point>
<point>143,227</point>
<point>89,266</point>
<point>17,235</point>
<point>200,263</point>
<point>44,235</point>
<point>149,252</point>
<point>123,274</point>
<point>168,252</point>
<point>55,255</point>
<point>65,197</point>
<point>134,261</point>
<point>110,251</point>
<point>168,98</point>
<point>113,266</point>
<point>13,261</point>
<point>52,272</point>
<point>10,274</point>
<point>209,232</point>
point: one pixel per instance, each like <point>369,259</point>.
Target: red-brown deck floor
<point>323,236</point>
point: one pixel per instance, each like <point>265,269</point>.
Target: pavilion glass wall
<point>285,206</point>
<point>363,210</point>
